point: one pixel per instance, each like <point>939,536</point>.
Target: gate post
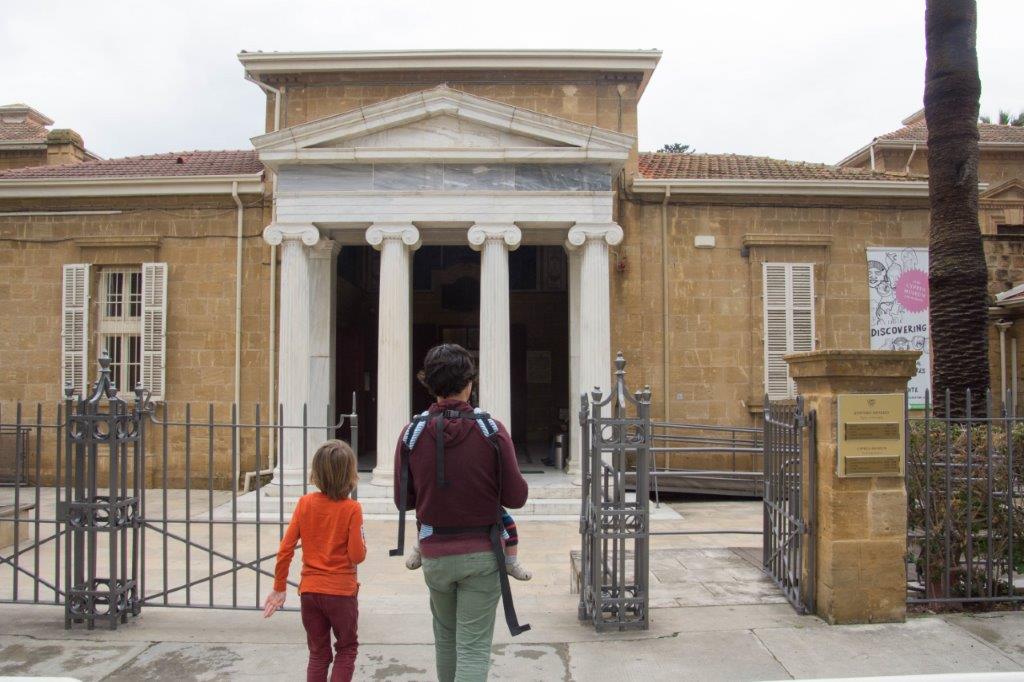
<point>860,524</point>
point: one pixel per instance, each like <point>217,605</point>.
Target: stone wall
<point>196,237</point>
<point>607,101</point>
<point>715,307</point>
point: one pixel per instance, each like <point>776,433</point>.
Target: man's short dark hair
<point>446,370</point>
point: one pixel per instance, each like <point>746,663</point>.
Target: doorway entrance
<point>446,309</point>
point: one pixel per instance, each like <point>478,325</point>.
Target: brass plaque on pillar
<point>872,435</point>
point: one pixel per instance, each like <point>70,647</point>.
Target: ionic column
<point>293,365</point>
<point>395,241</point>
<point>323,314</point>
<point>595,361</point>
<point>574,361</point>
<point>494,241</point>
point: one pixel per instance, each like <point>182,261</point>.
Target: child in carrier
<point>330,525</point>
<point>508,533</point>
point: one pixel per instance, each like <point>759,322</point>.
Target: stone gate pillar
<point>860,524</point>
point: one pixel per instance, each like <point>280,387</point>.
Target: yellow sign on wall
<point>872,435</point>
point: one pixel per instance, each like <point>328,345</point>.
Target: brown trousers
<point>322,614</point>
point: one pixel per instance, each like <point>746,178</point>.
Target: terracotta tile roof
<point>27,131</point>
<point>229,162</point>
<point>664,166</point>
<point>988,132</point>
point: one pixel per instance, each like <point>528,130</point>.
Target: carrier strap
<point>489,428</point>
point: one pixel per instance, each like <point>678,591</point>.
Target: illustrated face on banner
<point>898,307</point>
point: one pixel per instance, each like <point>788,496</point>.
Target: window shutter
<point>788,322</point>
<point>154,328</point>
<point>74,327</point>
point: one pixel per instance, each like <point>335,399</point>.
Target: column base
<point>290,479</point>
<point>382,479</point>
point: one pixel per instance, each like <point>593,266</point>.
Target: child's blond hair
<point>334,469</point>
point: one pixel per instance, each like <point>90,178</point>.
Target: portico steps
<point>553,497</point>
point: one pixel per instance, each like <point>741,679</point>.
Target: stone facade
<point>715,343</point>
<point>195,235</point>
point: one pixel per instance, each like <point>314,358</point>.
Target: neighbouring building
<point>492,198</point>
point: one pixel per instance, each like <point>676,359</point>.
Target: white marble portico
<point>436,167</point>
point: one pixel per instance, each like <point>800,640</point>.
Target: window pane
<point>113,346</point>
<point>134,361</point>
<point>115,293</point>
<point>135,294</point>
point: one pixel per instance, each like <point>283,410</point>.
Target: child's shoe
<point>415,558</point>
<point>516,569</point>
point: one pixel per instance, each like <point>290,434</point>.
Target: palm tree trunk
<point>958,274</point>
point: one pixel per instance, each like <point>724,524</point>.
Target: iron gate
<point>111,507</point>
<point>789,475</point>
<point>614,524</point>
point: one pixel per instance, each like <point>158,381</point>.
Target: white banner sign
<point>898,295</point>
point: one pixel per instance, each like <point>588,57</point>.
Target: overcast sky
<point>809,79</point>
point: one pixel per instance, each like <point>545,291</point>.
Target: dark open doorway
<point>356,347</point>
<point>446,308</point>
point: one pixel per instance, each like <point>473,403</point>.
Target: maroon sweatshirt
<point>471,495</point>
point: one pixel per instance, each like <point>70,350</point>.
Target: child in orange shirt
<point>330,525</point>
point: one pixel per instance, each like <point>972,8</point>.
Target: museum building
<point>496,199</point>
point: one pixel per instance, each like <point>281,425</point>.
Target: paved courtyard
<point>715,617</point>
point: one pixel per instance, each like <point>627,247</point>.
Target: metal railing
<point>689,458</point>
<point>615,526</point>
<point>200,542</point>
<point>965,504</point>
<point>789,456</point>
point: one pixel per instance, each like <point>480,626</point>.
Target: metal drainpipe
<point>910,158</point>
<point>240,214</point>
<point>271,336</point>
<point>664,301</point>
<point>1002,326</point>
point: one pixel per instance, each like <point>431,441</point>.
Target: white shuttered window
<point>154,327</point>
<point>788,322</point>
<point>74,327</point>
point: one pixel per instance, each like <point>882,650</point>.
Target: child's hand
<point>275,600</point>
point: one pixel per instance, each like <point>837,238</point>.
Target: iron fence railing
<point>707,459</point>
<point>965,504</point>
<point>789,500</point>
<point>201,539</point>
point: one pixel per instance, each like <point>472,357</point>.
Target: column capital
<point>506,232</point>
<point>406,232</point>
<point>325,248</point>
<point>580,233</point>
<point>275,233</point>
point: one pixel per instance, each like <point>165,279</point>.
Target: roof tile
<point>666,166</point>
<point>987,132</point>
<point>171,164</point>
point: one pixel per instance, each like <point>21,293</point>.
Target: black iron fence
<point>176,506</point>
<point>965,511</point>
<point>790,437</point>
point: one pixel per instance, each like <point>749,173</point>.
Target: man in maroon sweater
<point>460,569</point>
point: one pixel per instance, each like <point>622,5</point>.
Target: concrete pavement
<point>715,617</point>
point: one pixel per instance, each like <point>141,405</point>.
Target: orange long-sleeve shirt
<point>332,545</point>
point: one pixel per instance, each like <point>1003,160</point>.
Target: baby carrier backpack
<point>489,428</point>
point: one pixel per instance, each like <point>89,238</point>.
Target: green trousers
<point>464,591</point>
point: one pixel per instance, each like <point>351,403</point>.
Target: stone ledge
<point>814,240</point>
<point>878,364</point>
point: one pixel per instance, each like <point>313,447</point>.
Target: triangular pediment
<point>1011,190</point>
<point>440,131</point>
<point>442,123</point>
